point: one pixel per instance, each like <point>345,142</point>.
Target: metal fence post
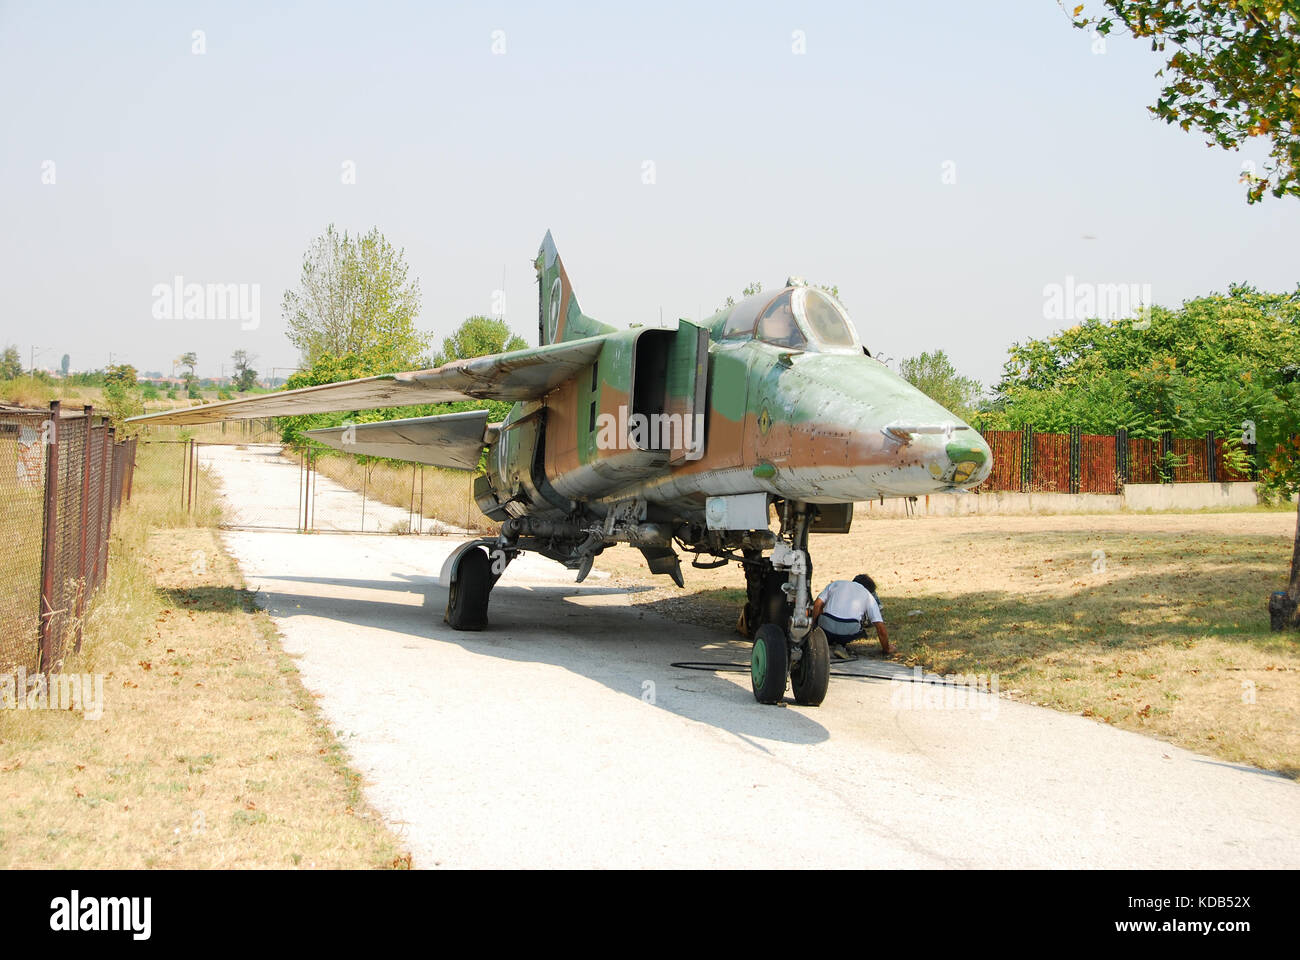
<point>1076,455</point>
<point>130,468</point>
<point>1027,460</point>
<point>46,620</point>
<point>83,584</point>
<point>1211,467</point>
<point>105,506</point>
<point>194,469</point>
<point>1121,454</point>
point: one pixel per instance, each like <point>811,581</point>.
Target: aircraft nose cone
<point>970,457</point>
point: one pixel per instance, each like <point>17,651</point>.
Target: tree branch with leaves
<point>1233,74</point>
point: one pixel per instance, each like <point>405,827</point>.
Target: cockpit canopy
<point>796,318</point>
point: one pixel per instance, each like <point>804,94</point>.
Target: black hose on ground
<point>725,667</point>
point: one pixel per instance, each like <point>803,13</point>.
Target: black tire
<point>467,601</point>
<point>769,664</point>
<point>776,606</point>
<point>812,674</point>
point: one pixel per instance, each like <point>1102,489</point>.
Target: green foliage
<point>122,400</point>
<point>478,337</point>
<point>148,391</point>
<point>120,373</point>
<point>1216,363</point>
<point>11,364</point>
<point>353,366</point>
<point>935,376</point>
<point>1234,74</point>
<point>354,296</point>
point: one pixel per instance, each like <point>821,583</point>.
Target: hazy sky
<point>221,167</point>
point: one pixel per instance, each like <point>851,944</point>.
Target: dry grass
<point>208,753</point>
<point>1165,632</point>
<point>447,494</point>
<point>27,391</point>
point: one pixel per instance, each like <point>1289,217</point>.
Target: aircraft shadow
<point>604,643</point>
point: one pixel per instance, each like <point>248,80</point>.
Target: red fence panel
<point>1098,472</point>
<point>1051,463</point>
<point>1006,446</point>
<point>1189,459</point>
<point>1143,458</point>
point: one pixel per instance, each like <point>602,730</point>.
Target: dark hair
<point>863,580</point>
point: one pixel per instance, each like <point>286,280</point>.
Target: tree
<point>122,374</point>
<point>1212,364</point>
<point>935,376</point>
<point>11,363</point>
<point>1232,74</point>
<point>354,297</point>
<point>189,360</point>
<point>351,366</point>
<point>245,376</point>
<point>478,337</point>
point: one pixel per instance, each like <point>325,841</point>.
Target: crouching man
<point>844,609</point>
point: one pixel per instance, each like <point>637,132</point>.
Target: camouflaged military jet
<point>728,441</point>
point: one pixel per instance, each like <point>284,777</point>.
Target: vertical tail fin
<point>558,316</point>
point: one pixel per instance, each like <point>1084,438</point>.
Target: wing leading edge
<point>451,440</point>
<point>519,375</point>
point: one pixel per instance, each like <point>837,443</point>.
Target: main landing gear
<point>471,572</point>
<point>787,646</point>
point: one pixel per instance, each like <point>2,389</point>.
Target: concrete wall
<point>1136,496</point>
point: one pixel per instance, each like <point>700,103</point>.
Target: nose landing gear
<point>791,647</point>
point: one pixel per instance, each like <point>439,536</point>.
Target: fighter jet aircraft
<point>729,441</point>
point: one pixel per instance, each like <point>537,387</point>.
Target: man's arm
<point>875,616</point>
<point>883,634</point>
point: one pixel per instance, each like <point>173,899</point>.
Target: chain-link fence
<point>62,475</point>
<point>268,486</point>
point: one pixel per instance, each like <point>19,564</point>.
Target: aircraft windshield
<point>777,324</point>
<point>825,320</point>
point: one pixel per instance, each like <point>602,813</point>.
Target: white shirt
<point>848,603</point>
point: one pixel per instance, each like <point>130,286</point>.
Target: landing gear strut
<point>786,643</point>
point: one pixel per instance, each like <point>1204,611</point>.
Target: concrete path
<point>561,736</point>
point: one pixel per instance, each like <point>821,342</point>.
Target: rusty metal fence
<point>62,476</point>
<point>1076,462</point>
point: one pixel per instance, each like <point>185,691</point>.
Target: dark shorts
<point>846,631</point>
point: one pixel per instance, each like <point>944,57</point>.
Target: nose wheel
<point>769,664</point>
<point>788,647</point>
<point>776,660</point>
